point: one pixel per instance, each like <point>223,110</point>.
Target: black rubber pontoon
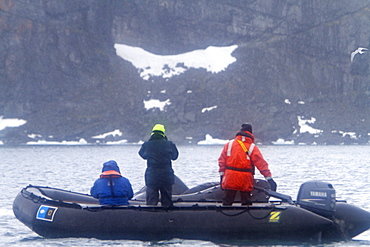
<point>197,214</point>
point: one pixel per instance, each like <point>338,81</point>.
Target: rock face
<point>59,70</point>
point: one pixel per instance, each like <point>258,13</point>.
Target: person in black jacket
<point>159,175</point>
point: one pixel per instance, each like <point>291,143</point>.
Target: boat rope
<point>32,197</point>
<point>247,210</point>
<point>38,199</point>
<point>232,215</point>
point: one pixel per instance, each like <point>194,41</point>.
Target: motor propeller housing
<point>317,197</point>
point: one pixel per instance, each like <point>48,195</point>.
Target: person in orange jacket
<point>237,161</point>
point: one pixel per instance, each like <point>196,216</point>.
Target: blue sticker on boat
<point>46,213</point>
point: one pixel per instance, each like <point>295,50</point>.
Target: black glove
<point>272,184</point>
<point>221,181</point>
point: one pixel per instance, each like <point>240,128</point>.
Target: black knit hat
<point>246,127</point>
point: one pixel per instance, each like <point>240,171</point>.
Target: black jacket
<point>159,153</point>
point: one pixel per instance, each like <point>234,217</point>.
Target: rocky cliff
<point>295,61</point>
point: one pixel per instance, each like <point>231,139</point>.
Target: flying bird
<point>360,50</point>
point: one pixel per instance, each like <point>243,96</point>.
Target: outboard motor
<point>317,197</point>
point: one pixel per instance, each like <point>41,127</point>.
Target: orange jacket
<point>236,166</point>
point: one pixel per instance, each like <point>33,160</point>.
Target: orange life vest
<point>110,174</point>
<point>237,162</point>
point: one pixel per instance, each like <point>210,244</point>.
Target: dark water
<point>76,168</point>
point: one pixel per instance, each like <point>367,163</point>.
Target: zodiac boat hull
<point>56,213</point>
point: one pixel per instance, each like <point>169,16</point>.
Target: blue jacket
<point>111,188</point>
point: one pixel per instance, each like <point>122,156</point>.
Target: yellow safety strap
<point>243,146</point>
<point>246,151</point>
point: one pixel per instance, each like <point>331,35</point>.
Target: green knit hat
<point>159,127</point>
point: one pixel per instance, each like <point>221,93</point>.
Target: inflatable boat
<point>198,213</point>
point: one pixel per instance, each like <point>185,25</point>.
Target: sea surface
<point>75,168</point>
